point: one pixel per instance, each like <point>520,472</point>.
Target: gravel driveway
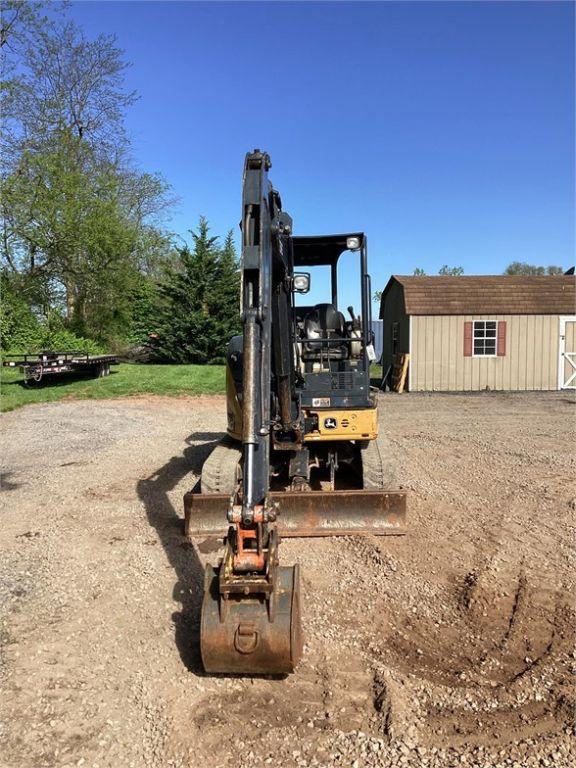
<point>450,646</point>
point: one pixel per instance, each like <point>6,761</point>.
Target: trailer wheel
<point>35,379</point>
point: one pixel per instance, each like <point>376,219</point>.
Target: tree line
<point>86,259</point>
<point>514,268</point>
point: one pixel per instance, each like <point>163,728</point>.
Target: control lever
<point>356,323</point>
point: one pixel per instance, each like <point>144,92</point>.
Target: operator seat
<point>324,321</point>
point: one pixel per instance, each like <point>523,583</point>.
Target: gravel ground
<point>450,646</point>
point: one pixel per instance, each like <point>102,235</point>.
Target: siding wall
<point>438,363</point>
<point>394,312</point>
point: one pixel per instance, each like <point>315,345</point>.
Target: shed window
<point>484,338</point>
<point>395,338</point>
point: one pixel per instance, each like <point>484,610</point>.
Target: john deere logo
<point>330,423</point>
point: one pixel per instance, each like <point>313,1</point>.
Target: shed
<point>502,332</point>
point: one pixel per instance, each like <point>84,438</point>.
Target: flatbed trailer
<point>37,367</point>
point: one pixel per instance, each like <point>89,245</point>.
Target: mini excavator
<point>303,455</point>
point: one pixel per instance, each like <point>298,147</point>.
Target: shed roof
<point>486,294</point>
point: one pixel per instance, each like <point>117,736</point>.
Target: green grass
<point>124,380</point>
<point>375,375</point>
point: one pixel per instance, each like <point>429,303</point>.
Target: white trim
<point>411,358</point>
<point>482,320</point>
<point>562,352</point>
<point>568,356</point>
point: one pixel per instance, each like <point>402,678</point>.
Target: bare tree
<point>21,20</point>
<point>65,82</point>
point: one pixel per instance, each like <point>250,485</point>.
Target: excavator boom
<point>251,609</point>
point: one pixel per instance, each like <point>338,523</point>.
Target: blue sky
<point>444,130</point>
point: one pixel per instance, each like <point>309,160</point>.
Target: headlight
<point>301,282</point>
<point>352,243</point>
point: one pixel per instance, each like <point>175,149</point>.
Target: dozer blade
<point>308,513</point>
<point>247,634</point>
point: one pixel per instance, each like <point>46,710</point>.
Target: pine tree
<point>227,301</point>
<point>199,301</point>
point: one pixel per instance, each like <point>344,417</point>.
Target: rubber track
<point>378,469</point>
<point>219,471</point>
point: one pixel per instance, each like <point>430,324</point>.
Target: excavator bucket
<point>252,634</point>
<point>308,513</point>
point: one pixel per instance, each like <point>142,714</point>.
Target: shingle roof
<point>480,294</point>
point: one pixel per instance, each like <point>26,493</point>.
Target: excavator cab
<point>303,455</point>
<point>334,348</point>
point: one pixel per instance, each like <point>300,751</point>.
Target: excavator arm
<point>251,612</point>
<point>266,304</point>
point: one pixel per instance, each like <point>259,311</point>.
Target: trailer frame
<point>39,365</point>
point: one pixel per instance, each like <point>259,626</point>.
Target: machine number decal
<point>330,423</point>
<point>320,402</point>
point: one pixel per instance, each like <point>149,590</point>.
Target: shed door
<point>567,353</point>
